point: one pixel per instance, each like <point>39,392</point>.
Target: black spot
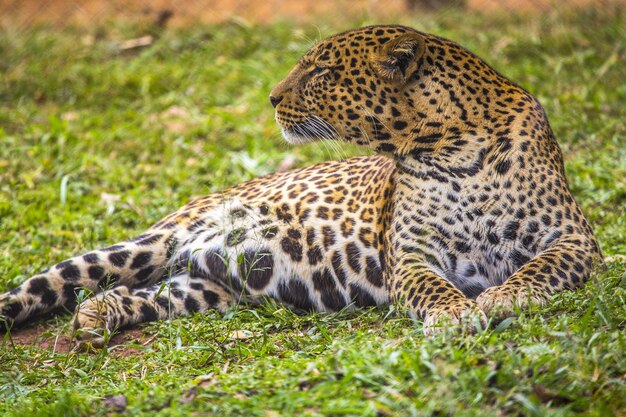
<point>328,238</point>
<point>91,258</point>
<point>119,258</point>
<point>109,280</point>
<point>353,255</point>
<point>236,236</point>
<point>164,302</point>
<point>70,272</point>
<point>296,294</point>
<point>527,241</point>
<point>493,238</point>
<point>171,245</point>
<point>324,282</point>
<point>238,213</point>
<point>141,259</point>
<point>95,272</point>
<point>191,304</point>
<point>373,272</point>
<point>554,236</point>
<point>462,247</point>
<point>510,231</point>
<point>216,265</point>
<point>144,274</point>
<point>182,262</point>
<point>399,125</point>
<point>315,255</point>
<point>112,248</point>
<point>176,292</point>
<point>292,247</point>
<point>148,312</point>
<point>210,297</point>
<point>533,227</point>
<point>386,147</point>
<point>41,287</point>
<point>337,263</point>
<point>361,297</point>
<point>234,286</point>
<point>256,268</point>
<point>269,232</point>
<point>310,237</point>
<point>149,240</point>
<point>283,213</point>
<point>195,270</point>
<point>518,258</point>
<point>69,294</point>
<point>503,167</point>
<point>578,267</point>
<point>128,310</point>
<point>470,271</point>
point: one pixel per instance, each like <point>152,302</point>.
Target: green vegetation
<point>96,144</point>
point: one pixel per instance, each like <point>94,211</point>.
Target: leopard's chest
<point>474,236</point>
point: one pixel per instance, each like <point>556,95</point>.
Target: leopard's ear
<point>398,58</point>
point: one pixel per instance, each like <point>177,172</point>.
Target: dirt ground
<point>22,13</point>
<point>37,335</point>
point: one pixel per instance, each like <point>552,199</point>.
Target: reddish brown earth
<point>22,13</point>
<point>62,342</point>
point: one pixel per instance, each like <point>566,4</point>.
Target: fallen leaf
<point>136,43</point>
<point>204,381</point>
<point>241,335</point>
<point>116,403</point>
<point>189,396</point>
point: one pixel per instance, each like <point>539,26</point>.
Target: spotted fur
<point>464,212</point>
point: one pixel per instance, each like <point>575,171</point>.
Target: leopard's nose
<point>275,100</point>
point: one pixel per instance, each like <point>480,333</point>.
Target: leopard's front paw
<point>96,319</point>
<point>501,302</point>
<point>462,315</point>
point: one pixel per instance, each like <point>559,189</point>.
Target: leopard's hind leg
<point>134,263</point>
<point>122,306</point>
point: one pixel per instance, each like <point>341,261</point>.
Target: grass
<point>97,144</point>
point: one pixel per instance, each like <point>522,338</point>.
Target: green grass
<point>96,145</point>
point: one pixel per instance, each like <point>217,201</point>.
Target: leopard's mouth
<point>311,129</point>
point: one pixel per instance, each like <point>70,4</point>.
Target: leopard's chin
<point>311,129</point>
<point>295,138</point>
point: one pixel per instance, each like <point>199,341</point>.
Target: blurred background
<point>23,13</point>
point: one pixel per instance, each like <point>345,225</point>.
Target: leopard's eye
<point>318,70</point>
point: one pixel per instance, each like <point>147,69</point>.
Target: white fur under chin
<point>294,138</point>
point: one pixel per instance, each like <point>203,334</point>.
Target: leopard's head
<point>392,89</point>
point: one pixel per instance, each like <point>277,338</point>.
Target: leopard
<point>461,215</point>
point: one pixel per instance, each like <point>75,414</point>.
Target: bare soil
<point>23,13</point>
<point>37,335</point>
